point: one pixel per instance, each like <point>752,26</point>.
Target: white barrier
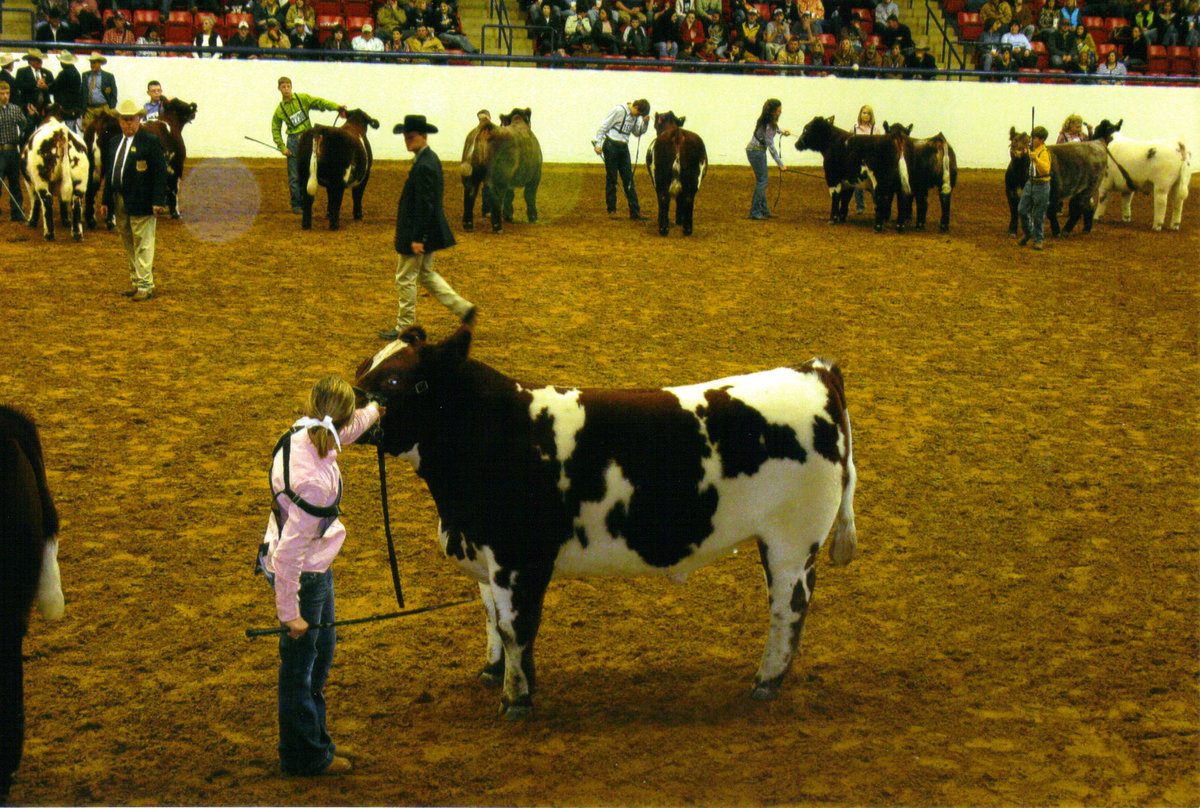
<point>236,98</point>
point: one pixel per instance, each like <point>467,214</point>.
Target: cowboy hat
<point>414,123</point>
<point>7,59</point>
<point>34,53</point>
<point>97,56</point>
<point>66,58</point>
<point>129,109</point>
<point>921,43</point>
<point>368,27</point>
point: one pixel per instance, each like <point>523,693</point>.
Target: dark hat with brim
<point>414,123</point>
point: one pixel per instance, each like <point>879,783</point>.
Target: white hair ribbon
<point>325,423</point>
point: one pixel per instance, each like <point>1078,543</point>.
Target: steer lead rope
<point>387,529</point>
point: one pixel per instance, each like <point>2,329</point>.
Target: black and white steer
<point>537,482</point>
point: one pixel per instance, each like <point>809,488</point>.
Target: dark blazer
<point>420,216</point>
<point>67,89</point>
<point>64,33</point>
<point>27,84</point>
<point>143,184</point>
<point>108,86</point>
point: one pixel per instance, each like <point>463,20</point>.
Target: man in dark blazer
<point>67,88</point>
<point>135,189</point>
<point>54,29</point>
<point>99,88</point>
<point>421,230</point>
<point>32,81</point>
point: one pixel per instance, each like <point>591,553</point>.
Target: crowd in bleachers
<point>331,29</point>
<point>1102,39</point>
<point>836,33</point>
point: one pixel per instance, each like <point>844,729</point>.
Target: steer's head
<point>1106,129</point>
<point>1018,144</point>
<point>415,380</point>
<point>898,134</point>
<point>667,120</point>
<point>816,135</point>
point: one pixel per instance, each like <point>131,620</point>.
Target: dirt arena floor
<point>1020,627</point>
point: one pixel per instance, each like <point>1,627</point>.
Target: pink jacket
<point>301,546</point>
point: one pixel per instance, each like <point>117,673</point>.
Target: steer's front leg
<point>790,582</point>
<point>493,670</point>
<point>518,596</point>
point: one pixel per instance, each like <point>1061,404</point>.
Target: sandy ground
<point>1020,627</point>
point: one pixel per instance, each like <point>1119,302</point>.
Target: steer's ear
<point>831,117</point>
<point>528,115</point>
<point>374,124</point>
<point>456,347</point>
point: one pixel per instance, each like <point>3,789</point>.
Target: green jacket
<point>294,115</point>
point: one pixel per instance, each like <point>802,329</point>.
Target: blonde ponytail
<point>332,396</point>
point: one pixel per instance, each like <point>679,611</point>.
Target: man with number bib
<point>292,114</point>
<point>612,143</point>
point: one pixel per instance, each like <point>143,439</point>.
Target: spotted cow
<point>55,166</point>
<point>1159,167</point>
<point>677,162</point>
<point>932,165</point>
<point>336,158</point>
<point>536,482</point>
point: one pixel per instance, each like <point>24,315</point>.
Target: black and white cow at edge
<point>536,482</point>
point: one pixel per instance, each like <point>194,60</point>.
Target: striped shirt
<point>11,121</point>
<point>764,138</point>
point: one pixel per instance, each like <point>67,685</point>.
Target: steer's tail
<point>845,538</point>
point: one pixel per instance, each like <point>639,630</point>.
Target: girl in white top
<point>864,125</point>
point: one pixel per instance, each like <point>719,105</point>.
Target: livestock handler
<point>12,121</point>
<point>1035,198</point>
<point>292,113</point>
<point>135,189</point>
<point>612,143</point>
<point>304,536</point>
<point>422,229</point>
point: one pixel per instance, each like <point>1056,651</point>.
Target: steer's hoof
<point>519,709</point>
<point>77,236</point>
<point>175,215</point>
<point>663,231</point>
<point>492,674</point>
<point>945,228</point>
<point>878,228</point>
<point>764,692</point>
<point>334,226</point>
<point>49,237</point>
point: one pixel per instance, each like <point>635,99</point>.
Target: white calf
<point>1155,166</point>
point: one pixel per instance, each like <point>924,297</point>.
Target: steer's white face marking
<point>385,352</point>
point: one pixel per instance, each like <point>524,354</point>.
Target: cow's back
<point>1078,168</point>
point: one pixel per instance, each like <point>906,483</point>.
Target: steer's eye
<point>392,381</point>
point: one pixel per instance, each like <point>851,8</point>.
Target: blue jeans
<point>293,166</point>
<point>1032,209</point>
<point>758,161</point>
<point>10,171</point>
<point>304,744</point>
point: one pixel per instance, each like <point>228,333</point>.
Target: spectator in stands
<point>739,10</point>
<point>242,42</point>
<point>1016,41</point>
<point>896,32</point>
<point>1071,13</point>
<point>366,41</point>
<point>838,14</point>
<point>988,46</point>
<point>1085,50</point>
<point>391,17</point>
<point>420,12</point>
<point>816,14</point>
<point>708,52</point>
<point>854,32</point>
<point>664,30</point>
<point>995,10</point>
<point>1189,25</point>
<point>738,54</point>
<point>752,33</point>
<point>691,31</point>
<point>1047,20</point>
<point>264,10</point>
<point>883,10</point>
<point>1137,51</point>
<point>635,41</point>
<point>709,13</point>
<point>1112,69</point>
<point>424,42</point>
<point>1023,15</point>
<point>717,35</point>
<point>1165,33</point>
<point>207,38</point>
<point>301,10</point>
<point>548,31</point>
<point>844,55</point>
<point>445,28</point>
<point>118,33</point>
<point>54,29</point>
<point>921,59</point>
<point>303,38</point>
<point>605,35</point>
<point>150,36</point>
<point>776,36</point>
<point>1004,67</point>
<point>871,57</point>
<point>1061,45</point>
<point>577,33</point>
<point>791,53</point>
<point>337,40</point>
<point>42,9</point>
<point>85,16</point>
<point>273,37</point>
<point>628,9</point>
<point>395,44</point>
<point>816,52</point>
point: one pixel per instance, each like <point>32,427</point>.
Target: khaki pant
<point>91,113</point>
<point>137,234</point>
<point>413,268</point>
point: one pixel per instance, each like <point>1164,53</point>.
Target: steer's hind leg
<point>791,575</point>
<point>493,670</point>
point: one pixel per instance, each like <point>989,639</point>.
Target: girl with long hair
<point>761,142</point>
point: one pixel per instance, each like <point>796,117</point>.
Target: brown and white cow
<point>169,127</point>
<point>677,162</point>
<point>1159,167</point>
<point>844,158</point>
<point>55,166</point>
<point>932,165</point>
<point>95,135</point>
<point>534,482</point>
<point>336,158</point>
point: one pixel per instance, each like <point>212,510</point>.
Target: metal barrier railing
<point>498,10</point>
<point>506,32</point>
<point>950,53</point>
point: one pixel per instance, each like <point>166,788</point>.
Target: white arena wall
<point>236,98</point>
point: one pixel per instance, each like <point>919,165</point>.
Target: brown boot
<point>339,765</point>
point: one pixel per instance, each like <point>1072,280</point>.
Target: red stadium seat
<point>1179,60</point>
<point>1157,61</point>
<point>1055,76</point>
<point>179,28</point>
<point>327,21</point>
<point>829,41</point>
<point>1114,24</point>
<point>872,41</point>
<point>954,7</point>
<point>1196,60</point>
<point>1043,56</point>
<point>969,26</point>
<point>764,11</point>
<point>356,8</point>
<point>867,26</point>
<point>143,19</point>
<point>354,25</point>
<point>234,17</point>
<point>1103,50</point>
<point>181,16</point>
<point>329,8</point>
<point>216,20</point>
<point>1026,75</point>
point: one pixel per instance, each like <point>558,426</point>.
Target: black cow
<point>337,158</point>
<point>677,162</point>
<point>28,571</point>
<point>1076,173</point>
<point>932,165</point>
<point>845,156</point>
<point>168,127</point>
<point>536,482</point>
